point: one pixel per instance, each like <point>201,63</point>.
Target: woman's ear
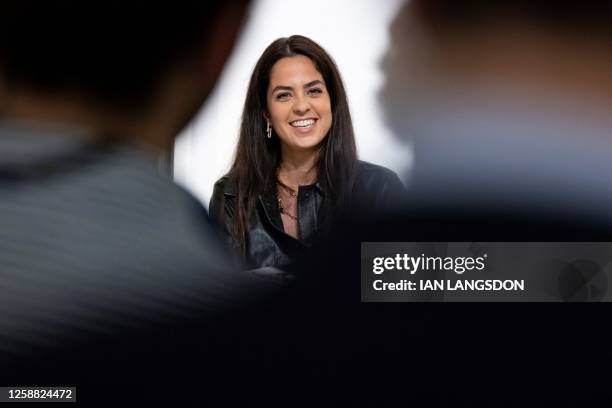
<point>266,117</point>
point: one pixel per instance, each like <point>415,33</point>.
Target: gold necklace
<point>288,189</point>
<point>281,204</point>
<point>283,210</point>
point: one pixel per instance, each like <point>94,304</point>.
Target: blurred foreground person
<point>507,105</point>
<point>102,256</point>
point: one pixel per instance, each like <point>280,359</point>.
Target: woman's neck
<point>298,168</point>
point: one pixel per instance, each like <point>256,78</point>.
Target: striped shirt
<point>94,238</point>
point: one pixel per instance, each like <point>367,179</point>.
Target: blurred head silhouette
<point>505,103</point>
<point>137,70</point>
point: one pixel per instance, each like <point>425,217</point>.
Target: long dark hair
<point>257,157</point>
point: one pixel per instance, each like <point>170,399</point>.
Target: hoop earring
<point>269,131</point>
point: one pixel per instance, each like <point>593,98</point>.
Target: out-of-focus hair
<point>114,52</point>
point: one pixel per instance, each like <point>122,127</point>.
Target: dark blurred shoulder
<point>377,190</point>
<point>369,171</point>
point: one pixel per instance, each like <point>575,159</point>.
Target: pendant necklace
<point>281,204</point>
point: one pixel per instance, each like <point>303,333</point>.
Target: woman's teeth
<point>303,123</point>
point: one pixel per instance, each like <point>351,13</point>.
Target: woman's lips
<point>303,125</point>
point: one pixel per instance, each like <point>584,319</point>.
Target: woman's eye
<point>315,91</point>
<point>282,96</point>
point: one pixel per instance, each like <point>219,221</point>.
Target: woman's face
<point>299,107</point>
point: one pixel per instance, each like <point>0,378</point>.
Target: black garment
<point>376,189</point>
<point>463,340</point>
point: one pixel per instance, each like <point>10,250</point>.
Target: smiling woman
<point>295,173</point>
<point>299,107</point>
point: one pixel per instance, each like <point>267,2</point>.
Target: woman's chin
<point>304,144</point>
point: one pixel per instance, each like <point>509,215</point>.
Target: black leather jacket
<point>376,189</point>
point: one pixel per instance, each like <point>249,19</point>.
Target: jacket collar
<point>270,206</point>
<point>231,189</point>
<point>268,203</point>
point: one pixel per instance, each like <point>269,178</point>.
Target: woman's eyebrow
<point>313,83</point>
<point>289,88</point>
<point>282,88</point>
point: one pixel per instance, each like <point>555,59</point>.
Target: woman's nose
<point>300,106</point>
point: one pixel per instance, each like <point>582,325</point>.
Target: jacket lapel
<point>269,204</point>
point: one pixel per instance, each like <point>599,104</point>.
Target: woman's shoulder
<point>223,190</point>
<point>367,171</point>
<point>377,189</point>
<point>226,185</point>
<point>222,202</point>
